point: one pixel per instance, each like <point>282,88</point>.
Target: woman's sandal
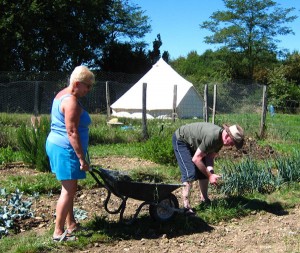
<point>78,228</point>
<point>64,237</point>
<point>189,211</point>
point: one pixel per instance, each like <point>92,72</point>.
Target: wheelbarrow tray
<point>121,184</point>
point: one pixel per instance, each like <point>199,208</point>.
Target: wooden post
<point>205,110</point>
<point>214,105</point>
<point>264,112</point>
<point>107,99</point>
<point>36,99</point>
<point>144,116</point>
<point>174,114</point>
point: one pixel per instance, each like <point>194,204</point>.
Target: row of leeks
<point>251,176</point>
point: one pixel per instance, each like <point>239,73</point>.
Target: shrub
<point>159,149</point>
<point>103,134</point>
<point>31,141</point>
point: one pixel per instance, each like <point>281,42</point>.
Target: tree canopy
<point>50,35</point>
<point>250,29</point>
<point>59,35</point>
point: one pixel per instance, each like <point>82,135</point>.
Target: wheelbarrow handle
<point>122,206</point>
<point>92,172</point>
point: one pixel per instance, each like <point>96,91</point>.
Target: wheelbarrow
<point>163,204</point>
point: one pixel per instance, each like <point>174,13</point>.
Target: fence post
<point>214,105</point>
<point>107,99</point>
<point>144,116</point>
<point>36,99</point>
<point>264,112</point>
<point>174,103</point>
<point>205,111</point>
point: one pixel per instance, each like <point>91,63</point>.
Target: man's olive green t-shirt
<point>205,136</point>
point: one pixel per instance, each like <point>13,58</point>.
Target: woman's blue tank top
<point>58,134</point>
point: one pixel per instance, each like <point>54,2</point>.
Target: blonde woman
<point>67,145</point>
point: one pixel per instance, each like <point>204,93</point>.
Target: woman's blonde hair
<point>82,74</point>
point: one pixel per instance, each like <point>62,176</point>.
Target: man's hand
<point>213,179</point>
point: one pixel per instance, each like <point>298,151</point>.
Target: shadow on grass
<point>257,205</point>
<point>145,227</point>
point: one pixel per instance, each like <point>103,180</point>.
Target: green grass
<point>282,133</point>
<point>118,149</point>
<point>43,183</point>
<point>30,242</point>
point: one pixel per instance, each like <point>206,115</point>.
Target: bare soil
<point>262,231</point>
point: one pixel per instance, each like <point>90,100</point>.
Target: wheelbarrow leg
<point>120,209</point>
<point>131,221</point>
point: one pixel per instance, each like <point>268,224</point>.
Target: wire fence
<point>33,93</point>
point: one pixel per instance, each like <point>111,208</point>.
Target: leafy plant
<point>31,141</point>
<point>14,208</point>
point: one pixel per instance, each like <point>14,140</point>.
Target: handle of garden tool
<point>87,158</point>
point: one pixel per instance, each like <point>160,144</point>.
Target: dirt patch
<point>259,232</point>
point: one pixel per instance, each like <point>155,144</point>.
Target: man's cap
<point>236,133</point>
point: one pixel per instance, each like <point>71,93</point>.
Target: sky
<point>177,22</point>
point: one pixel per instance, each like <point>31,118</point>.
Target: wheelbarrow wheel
<point>164,209</point>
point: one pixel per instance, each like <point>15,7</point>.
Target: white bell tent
<point>161,79</point>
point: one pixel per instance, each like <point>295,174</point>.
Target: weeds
<point>7,155</point>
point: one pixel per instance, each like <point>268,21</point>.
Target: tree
<point>126,23</point>
<point>154,54</point>
<point>121,57</point>
<point>166,56</point>
<point>283,94</point>
<point>50,35</point>
<point>59,35</point>
<point>124,46</point>
<point>292,63</point>
<point>249,28</point>
<point>210,67</point>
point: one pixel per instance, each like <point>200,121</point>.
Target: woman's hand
<point>84,165</point>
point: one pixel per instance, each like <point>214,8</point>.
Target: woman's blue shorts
<point>64,162</point>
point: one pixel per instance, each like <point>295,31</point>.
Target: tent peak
<point>159,62</point>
